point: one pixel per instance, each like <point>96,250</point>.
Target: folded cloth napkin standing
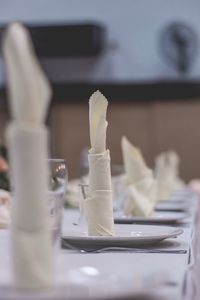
<point>137,204</point>
<point>99,206</point>
<point>27,138</point>
<point>167,174</point>
<point>142,187</point>
<point>134,164</point>
<point>5,203</point>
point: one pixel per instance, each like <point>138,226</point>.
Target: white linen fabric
<point>99,205</point>
<point>99,175</point>
<point>134,164</point>
<point>28,88</point>
<point>167,174</point>
<point>142,187</point>
<point>27,140</point>
<point>98,125</point>
<point>137,204</point>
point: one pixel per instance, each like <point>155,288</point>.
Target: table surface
<point>173,268</point>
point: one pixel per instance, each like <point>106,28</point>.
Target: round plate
<point>164,217</point>
<point>171,206</point>
<point>125,236</point>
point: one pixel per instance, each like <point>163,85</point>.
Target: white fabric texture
<point>167,174</point>
<point>142,187</point>
<point>27,140</point>
<point>99,173</point>
<point>98,124</point>
<point>29,91</point>
<point>137,204</point>
<point>99,204</point>
<point>99,212</point>
<point>134,164</point>
<point>30,217</point>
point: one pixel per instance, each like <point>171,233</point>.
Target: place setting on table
<point>93,230</point>
<point>138,195</point>
<point>117,215</point>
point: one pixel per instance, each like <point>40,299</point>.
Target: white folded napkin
<point>27,138</point>
<point>134,164</point>
<point>167,174</point>
<point>99,205</point>
<point>5,203</point>
<point>142,187</point>
<point>27,84</point>
<point>174,161</point>
<point>137,204</point>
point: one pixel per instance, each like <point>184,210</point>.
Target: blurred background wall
<point>156,116</point>
<point>134,30</point>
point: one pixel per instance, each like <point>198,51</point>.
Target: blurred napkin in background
<point>99,206</point>
<point>141,185</point>
<point>167,174</point>
<point>27,139</point>
<point>134,164</point>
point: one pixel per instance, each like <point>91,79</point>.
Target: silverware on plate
<point>68,246</point>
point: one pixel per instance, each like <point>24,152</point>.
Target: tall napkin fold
<point>134,164</point>
<point>99,205</point>
<point>142,187</point>
<point>167,174</point>
<point>27,138</point>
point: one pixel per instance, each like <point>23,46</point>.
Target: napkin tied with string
<point>27,139</point>
<point>99,205</point>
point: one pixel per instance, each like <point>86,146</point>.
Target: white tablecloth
<point>180,271</point>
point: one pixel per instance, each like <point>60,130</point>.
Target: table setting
<point>130,236</point>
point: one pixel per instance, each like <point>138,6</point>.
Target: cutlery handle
<point>66,245</point>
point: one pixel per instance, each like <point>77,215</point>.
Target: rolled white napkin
<point>99,205</point>
<point>5,203</point>
<point>28,173</point>
<point>99,174</point>
<point>100,222</point>
<point>27,140</point>
<point>142,187</point>
<point>31,237</point>
<point>167,174</point>
<point>98,125</point>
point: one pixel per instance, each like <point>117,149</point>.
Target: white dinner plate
<point>171,206</point>
<point>157,217</point>
<point>125,236</point>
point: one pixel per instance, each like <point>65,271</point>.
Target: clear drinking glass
<point>56,195</point>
